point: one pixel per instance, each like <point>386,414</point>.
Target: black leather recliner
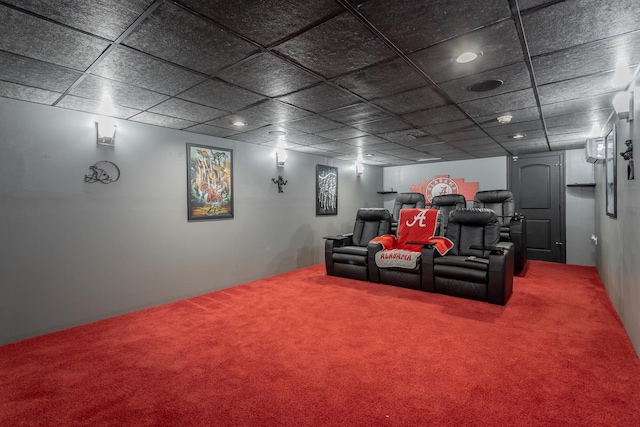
<point>479,266</point>
<point>346,255</point>
<point>446,203</point>
<point>405,201</point>
<point>512,225</point>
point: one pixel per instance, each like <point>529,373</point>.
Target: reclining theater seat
<point>446,203</point>
<point>512,225</point>
<point>346,255</point>
<point>405,201</point>
<point>397,261</point>
<point>479,266</point>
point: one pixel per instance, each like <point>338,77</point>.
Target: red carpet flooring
<point>304,349</point>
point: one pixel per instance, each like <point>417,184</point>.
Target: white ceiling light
<point>518,136</point>
<point>238,123</point>
<point>467,57</point>
<point>505,119</point>
<point>428,159</point>
<point>623,104</point>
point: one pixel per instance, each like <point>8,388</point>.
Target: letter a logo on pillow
<point>421,217</point>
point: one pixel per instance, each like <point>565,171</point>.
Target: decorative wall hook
<point>281,183</point>
<point>628,156</point>
<point>99,173</point>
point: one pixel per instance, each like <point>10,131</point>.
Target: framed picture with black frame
<point>610,168</point>
<point>326,190</point>
<point>209,182</point>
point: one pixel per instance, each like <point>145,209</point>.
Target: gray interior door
<point>537,184</point>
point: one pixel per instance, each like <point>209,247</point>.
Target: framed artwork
<point>610,166</point>
<point>209,182</point>
<point>326,190</point>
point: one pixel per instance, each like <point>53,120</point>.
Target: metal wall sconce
<point>623,104</point>
<point>105,134</point>
<point>281,157</point>
<point>359,169</point>
<point>280,182</point>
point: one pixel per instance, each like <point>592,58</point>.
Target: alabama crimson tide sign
<point>442,184</point>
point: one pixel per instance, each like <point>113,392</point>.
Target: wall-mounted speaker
<point>594,150</point>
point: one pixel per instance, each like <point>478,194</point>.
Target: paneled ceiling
<point>345,79</point>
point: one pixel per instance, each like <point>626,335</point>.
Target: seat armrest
<point>339,237</point>
<point>374,272</point>
<point>498,249</point>
<point>427,281</point>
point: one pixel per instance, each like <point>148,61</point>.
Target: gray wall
<point>73,252</point>
<point>580,209</point>
<point>490,173</point>
<point>618,250</point>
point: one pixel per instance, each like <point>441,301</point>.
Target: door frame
<point>562,189</point>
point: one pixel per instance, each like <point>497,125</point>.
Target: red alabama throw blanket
<point>415,225</point>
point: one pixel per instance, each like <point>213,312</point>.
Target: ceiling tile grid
<point>342,78</point>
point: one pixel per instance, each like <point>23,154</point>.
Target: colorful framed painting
<point>610,166</point>
<point>326,190</point>
<point>209,182</point>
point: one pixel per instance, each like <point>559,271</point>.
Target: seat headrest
<point>373,214</point>
<point>475,217</point>
<point>410,198</point>
<point>449,200</point>
<point>493,196</point>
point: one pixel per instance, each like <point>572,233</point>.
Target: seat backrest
<point>446,203</point>
<point>473,227</point>
<point>407,201</point>
<point>370,223</point>
<point>500,201</point>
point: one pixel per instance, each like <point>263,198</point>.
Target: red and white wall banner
<point>442,184</point>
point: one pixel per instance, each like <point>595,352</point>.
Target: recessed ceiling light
<point>504,119</point>
<point>238,123</point>
<point>428,159</point>
<point>486,85</point>
<point>369,155</point>
<point>518,136</point>
<point>467,57</point>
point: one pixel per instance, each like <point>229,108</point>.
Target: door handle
<point>559,243</point>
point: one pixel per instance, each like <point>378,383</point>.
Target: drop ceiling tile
<point>528,4</point>
<point>335,47</point>
<point>268,75</point>
<point>265,22</point>
<point>587,130</point>
<point>571,137</point>
<point>307,139</point>
<point>160,120</point>
<point>515,127</point>
<point>314,124</point>
<point>27,93</point>
<point>105,18</point>
<point>382,79</point>
<point>413,100</point>
<point>91,106</point>
<point>31,72</point>
<point>500,103</point>
<point>310,149</point>
<point>288,145</point>
<point>220,95</point>
<point>498,43</point>
<point>173,34</point>
<point>403,135</point>
<point>320,98</point>
<point>514,77</point>
<point>262,135</point>
<point>572,23</point>
<point>577,88</point>
<point>599,102</point>
<point>433,116</point>
<point>345,132</point>
<point>35,38</point>
<point>227,123</point>
<point>423,142</point>
<point>367,140</point>
<point>587,59</point>
<point>518,115</point>
<point>355,114</point>
<point>211,130</point>
<point>406,153</point>
<point>449,127</point>
<point>273,111</point>
<point>186,110</point>
<point>137,69</point>
<point>425,23</point>
<point>582,118</point>
<point>390,124</point>
<point>112,92</point>
<point>469,134</point>
<point>338,147</point>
